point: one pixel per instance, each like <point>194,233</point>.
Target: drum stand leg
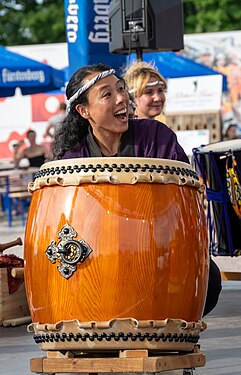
<point>135,361</point>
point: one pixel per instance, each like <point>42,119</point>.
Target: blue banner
<point>87,34</point>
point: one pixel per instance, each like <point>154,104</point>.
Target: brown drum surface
<point>149,258</point>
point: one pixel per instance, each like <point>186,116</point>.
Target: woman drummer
<point>98,125</point>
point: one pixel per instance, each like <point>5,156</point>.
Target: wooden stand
<point>230,275</point>
<point>12,306</point>
<point>198,121</point>
<point>127,361</point>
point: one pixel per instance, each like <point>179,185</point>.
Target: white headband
<point>90,83</point>
<point>155,83</point>
<point>151,84</point>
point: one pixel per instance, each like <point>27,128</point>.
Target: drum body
<point>143,244</point>
<point>226,225</point>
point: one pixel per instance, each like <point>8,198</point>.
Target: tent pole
<point>139,54</point>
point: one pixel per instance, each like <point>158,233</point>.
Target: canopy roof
<point>30,76</point>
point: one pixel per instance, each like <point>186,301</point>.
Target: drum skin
<point>149,260</point>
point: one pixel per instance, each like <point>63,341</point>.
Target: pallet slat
<point>127,362</point>
<point>13,305</point>
<point>230,275</point>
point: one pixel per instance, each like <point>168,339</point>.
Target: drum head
<point>234,144</point>
<point>125,170</point>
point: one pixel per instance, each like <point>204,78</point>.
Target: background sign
<point>87,34</point>
<point>194,94</point>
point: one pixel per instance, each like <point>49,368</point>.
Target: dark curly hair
<point>74,127</point>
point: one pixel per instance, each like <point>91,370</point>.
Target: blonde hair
<point>138,74</point>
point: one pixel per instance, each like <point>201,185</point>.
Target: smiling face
<point>150,104</point>
<point>107,108</point>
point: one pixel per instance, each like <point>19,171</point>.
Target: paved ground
<point>221,342</point>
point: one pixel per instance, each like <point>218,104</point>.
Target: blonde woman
<point>147,86</point>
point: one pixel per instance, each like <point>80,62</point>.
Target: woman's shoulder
<point>150,125</point>
<point>141,121</point>
<point>26,151</point>
<point>148,131</point>
<point>147,122</point>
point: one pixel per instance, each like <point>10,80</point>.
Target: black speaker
<point>147,25</point>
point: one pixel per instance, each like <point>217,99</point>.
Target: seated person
<point>35,153</point>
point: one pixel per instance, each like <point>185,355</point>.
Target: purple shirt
<point>144,138</point>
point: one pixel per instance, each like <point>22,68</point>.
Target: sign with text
<point>194,94</point>
<point>87,34</point>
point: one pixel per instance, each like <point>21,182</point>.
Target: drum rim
<point>215,146</point>
<point>128,170</point>
<point>174,334</point>
<point>114,160</point>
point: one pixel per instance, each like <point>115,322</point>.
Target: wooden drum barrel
<point>116,254</point>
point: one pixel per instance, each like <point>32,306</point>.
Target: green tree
<point>201,16</point>
<point>31,22</point>
<point>42,21</point>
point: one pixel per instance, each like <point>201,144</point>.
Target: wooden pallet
<point>128,361</point>
<point>12,306</point>
<point>230,275</point>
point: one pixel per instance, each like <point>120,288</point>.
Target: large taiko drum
<point>212,163</point>
<point>116,254</point>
